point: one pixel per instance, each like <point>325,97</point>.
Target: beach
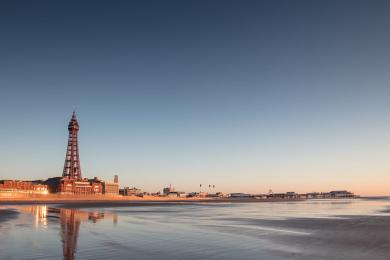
<point>126,200</point>
<point>310,229</point>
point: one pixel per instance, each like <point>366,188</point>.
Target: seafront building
<point>11,187</point>
<point>170,192</point>
<point>127,191</point>
<point>111,188</point>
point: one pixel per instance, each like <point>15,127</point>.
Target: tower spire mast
<point>72,169</point>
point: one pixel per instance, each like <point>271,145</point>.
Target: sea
<point>310,229</point>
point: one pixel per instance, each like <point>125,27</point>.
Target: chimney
<point>115,178</point>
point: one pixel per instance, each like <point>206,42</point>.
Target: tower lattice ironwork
<point>72,169</point>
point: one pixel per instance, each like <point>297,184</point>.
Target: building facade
<point>27,187</point>
<point>127,191</point>
<point>111,188</point>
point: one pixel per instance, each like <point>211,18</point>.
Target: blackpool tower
<point>72,168</point>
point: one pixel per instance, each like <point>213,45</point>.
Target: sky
<point>244,95</point>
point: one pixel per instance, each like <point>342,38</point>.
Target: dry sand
<point>105,201</point>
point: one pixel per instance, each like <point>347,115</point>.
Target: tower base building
<point>77,187</point>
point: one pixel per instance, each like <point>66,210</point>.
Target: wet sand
<point>329,229</point>
<point>345,237</point>
<point>364,236</point>
<point>8,214</point>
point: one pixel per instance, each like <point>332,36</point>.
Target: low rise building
<point>240,195</point>
<point>260,196</point>
<point>168,190</point>
<point>111,188</point>
<point>292,195</point>
<point>277,196</point>
<point>64,185</point>
<point>215,195</point>
<point>127,191</point>
<point>26,187</point>
<point>177,194</point>
<point>197,194</point>
<point>341,194</point>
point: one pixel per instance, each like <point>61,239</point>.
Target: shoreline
<point>131,201</point>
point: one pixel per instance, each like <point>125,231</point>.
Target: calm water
<point>322,229</point>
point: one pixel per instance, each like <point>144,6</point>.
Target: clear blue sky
<point>246,95</point>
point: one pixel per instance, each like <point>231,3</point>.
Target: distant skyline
<point>244,95</point>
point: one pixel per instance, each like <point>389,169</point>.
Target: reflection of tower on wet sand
<point>70,225</point>
<point>70,221</point>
